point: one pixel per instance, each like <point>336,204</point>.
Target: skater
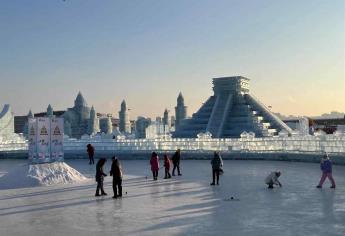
<point>326,167</point>
<point>167,166</point>
<point>100,176</point>
<point>217,164</point>
<point>91,152</point>
<point>116,172</point>
<point>154,161</point>
<point>176,162</point>
<point>272,179</point>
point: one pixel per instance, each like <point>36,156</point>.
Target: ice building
<point>6,121</point>
<point>106,125</point>
<point>140,126</point>
<point>231,111</point>
<point>7,126</point>
<point>76,119</point>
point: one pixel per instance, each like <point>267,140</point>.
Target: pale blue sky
<point>147,51</point>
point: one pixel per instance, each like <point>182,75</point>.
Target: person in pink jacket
<point>154,161</point>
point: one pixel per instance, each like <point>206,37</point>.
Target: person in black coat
<point>100,176</point>
<point>91,152</point>
<point>116,172</point>
<point>176,162</point>
<point>217,164</point>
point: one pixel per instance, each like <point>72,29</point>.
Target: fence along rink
<point>324,143</point>
<point>327,143</point>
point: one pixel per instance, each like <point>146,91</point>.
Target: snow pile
<point>41,175</point>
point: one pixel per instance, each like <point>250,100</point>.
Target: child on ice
<point>167,166</point>
<point>116,172</point>
<point>326,167</point>
<point>272,179</point>
<point>154,161</point>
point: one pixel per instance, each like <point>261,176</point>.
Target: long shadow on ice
<point>46,192</point>
<point>47,208</point>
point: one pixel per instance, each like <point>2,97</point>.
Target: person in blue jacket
<point>326,168</point>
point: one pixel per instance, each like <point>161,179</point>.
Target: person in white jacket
<point>272,179</point>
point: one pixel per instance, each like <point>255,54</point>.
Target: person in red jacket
<point>154,161</point>
<point>91,152</point>
<point>167,165</point>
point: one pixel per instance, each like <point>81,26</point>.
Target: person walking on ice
<point>272,179</point>
<point>167,167</point>
<point>326,168</point>
<point>116,172</point>
<point>217,164</point>
<point>176,162</point>
<point>100,176</point>
<point>91,152</point>
<point>154,162</point>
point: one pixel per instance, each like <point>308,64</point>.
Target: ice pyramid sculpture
<point>231,111</point>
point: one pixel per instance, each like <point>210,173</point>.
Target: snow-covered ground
<point>34,175</point>
<point>185,205</point>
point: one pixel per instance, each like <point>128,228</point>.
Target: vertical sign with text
<point>32,133</point>
<point>43,138</point>
<point>56,138</point>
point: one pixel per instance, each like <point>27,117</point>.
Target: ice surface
<point>34,175</point>
<point>185,205</point>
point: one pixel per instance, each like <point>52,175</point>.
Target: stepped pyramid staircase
<point>231,111</point>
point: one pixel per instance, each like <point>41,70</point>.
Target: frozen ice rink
<point>185,205</point>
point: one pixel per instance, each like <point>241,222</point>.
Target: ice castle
<point>231,111</point>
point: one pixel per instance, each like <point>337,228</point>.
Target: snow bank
<point>41,175</point>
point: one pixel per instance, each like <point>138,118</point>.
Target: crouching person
<point>272,179</point>
<point>116,172</point>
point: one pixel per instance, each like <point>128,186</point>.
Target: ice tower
<point>125,125</point>
<point>93,125</point>
<point>180,110</point>
<point>231,111</point>
<point>50,111</point>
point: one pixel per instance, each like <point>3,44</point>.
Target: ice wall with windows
<point>320,142</point>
